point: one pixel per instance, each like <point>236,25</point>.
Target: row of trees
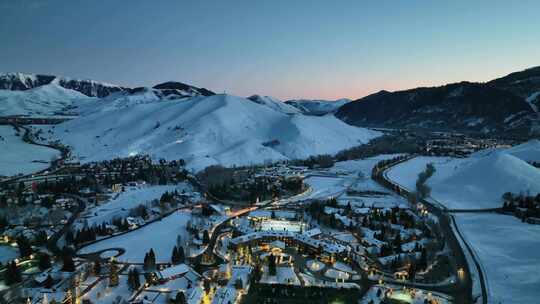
<point>422,190</point>
<point>178,256</point>
<point>524,206</point>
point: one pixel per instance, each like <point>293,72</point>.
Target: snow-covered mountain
<point>44,100</point>
<point>317,107</point>
<point>21,82</point>
<point>478,181</point>
<point>275,104</point>
<point>529,151</point>
<point>204,130</point>
<point>505,105</point>
<point>484,178</point>
<point>181,89</point>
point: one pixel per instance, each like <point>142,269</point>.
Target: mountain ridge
<point>493,107</point>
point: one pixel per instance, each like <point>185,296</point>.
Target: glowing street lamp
<point>461,273</point>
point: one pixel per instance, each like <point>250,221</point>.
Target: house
<point>176,272</point>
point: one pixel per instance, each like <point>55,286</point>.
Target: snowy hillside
<point>274,103</point>
<point>22,81</point>
<point>219,129</point>
<point>317,107</point>
<point>44,100</point>
<point>481,182</point>
<point>529,151</point>
<point>16,156</point>
<point>472,183</point>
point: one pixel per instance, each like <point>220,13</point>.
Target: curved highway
<point>448,226</point>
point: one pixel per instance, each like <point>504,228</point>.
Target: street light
<point>461,273</point>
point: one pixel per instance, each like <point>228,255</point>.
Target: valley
<point>174,194</point>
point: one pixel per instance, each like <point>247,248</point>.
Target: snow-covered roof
<point>175,271</point>
<point>312,232</point>
<point>326,245</point>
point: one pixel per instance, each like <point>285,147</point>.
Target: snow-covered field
<point>284,275</point>
<point>201,130</point>
<point>508,251</point>
<point>42,101</point>
<point>120,205</point>
<point>351,175</point>
<point>325,187</point>
<point>529,151</point>
<point>471,183</point>
<point>506,247</point>
<point>160,235</point>
<point>8,253</point>
<point>16,156</point>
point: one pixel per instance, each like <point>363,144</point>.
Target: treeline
<point>318,161</point>
<point>423,190</point>
<point>523,206</point>
<point>386,144</point>
<point>244,185</point>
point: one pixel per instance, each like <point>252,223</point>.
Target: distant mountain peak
<point>504,105</point>
<point>184,88</point>
<point>23,81</point>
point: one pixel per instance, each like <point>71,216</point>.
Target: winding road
<point>448,226</point>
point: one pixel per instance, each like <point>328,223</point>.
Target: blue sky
<point>282,48</point>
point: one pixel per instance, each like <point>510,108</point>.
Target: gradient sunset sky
<point>283,48</point>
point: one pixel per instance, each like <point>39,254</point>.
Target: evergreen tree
<point>272,265</point>
<point>180,298</point>
<point>113,274</point>
<point>44,261</point>
<point>181,255</point>
<point>152,258</point>
<point>134,281</point>
<point>97,267</point>
<point>174,256</point>
<point>12,274</point>
<point>68,264</point>
<point>206,237</point>
<point>25,249</point>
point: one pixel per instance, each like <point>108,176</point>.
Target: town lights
<point>461,273</point>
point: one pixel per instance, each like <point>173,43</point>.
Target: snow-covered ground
<point>529,151</point>
<point>8,253</point>
<point>325,187</point>
<point>336,274</point>
<point>505,247</point>
<point>201,130</point>
<point>284,275</point>
<point>120,205</point>
<point>317,107</point>
<point>471,183</point>
<point>160,235</point>
<point>102,293</point>
<point>508,251</point>
<point>16,156</point>
<point>41,101</point>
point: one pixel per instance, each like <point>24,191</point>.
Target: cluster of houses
<point>459,145</point>
<point>284,228</point>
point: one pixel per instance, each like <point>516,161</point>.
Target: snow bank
<point>508,251</point>
<point>16,156</point>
